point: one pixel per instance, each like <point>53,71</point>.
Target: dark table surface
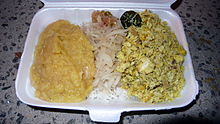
<point>201,20</point>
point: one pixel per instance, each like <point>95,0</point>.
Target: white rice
<point>107,41</point>
<point>118,94</point>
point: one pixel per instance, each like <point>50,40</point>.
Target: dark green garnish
<point>130,18</point>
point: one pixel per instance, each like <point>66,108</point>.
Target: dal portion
<point>151,61</point>
<point>64,67</point>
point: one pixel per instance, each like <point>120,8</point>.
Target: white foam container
<point>79,12</point>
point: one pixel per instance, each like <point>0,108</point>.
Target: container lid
<point>111,3</point>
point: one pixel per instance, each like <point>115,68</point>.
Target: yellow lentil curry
<point>151,61</point>
<point>64,67</point>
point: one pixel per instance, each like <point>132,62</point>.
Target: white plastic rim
<point>104,112</point>
<point>110,3</point>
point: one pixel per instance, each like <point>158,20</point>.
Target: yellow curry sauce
<point>63,67</point>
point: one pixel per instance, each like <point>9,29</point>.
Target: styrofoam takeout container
<point>80,11</point>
